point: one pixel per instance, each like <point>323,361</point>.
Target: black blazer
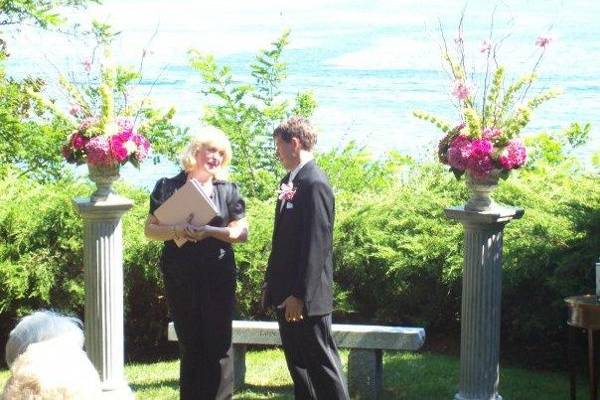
<point>301,262</point>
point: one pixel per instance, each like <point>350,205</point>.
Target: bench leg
<point>365,374</point>
<point>239,366</point>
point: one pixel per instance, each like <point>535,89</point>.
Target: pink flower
<point>143,146</point>
<point>75,109</point>
<point>125,124</point>
<point>286,192</point>
<point>480,163</point>
<point>481,148</point>
<point>87,64</point>
<point>86,123</point>
<point>78,141</point>
<point>491,133</point>
<point>543,41</point>
<point>460,91</point>
<point>98,151</point>
<point>458,127</point>
<point>485,47</point>
<point>118,146</point>
<point>459,152</point>
<point>514,155</point>
<point>444,144</point>
<point>481,168</point>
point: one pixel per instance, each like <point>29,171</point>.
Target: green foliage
<point>548,150</point>
<point>25,142</point>
<point>511,94</point>
<point>306,103</point>
<point>577,134</point>
<point>491,103</point>
<point>251,257</point>
<point>397,255</point>
<point>352,170</point>
<point>248,113</point>
<point>43,12</point>
<point>437,121</point>
<point>596,159</point>
<point>521,116</point>
<point>40,248</point>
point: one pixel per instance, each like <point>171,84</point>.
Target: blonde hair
<point>211,137</point>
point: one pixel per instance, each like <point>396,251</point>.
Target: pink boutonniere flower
<point>286,192</point>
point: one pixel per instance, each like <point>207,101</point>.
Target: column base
<point>458,396</point>
<point>122,392</point>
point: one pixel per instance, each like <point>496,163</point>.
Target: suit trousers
<point>312,358</point>
<point>201,303</point>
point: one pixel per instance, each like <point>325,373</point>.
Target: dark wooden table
<point>584,313</point>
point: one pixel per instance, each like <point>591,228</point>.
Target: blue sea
<point>369,63</point>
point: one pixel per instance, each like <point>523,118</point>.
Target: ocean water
<point>369,63</point>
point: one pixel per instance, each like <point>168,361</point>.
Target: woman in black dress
<point>199,276</point>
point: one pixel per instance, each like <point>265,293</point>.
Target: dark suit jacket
<point>301,262</point>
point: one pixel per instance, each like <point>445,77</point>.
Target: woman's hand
<point>198,233</point>
<point>181,231</point>
<point>156,231</point>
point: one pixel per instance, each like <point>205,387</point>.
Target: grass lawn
<point>407,376</point>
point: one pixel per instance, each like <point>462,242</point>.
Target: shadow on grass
<point>271,392</point>
<point>171,383</point>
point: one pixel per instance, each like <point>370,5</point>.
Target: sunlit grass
<point>407,376</point>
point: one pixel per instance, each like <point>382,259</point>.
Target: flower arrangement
<point>104,126</point>
<point>117,145</point>
<point>101,139</point>
<point>485,143</point>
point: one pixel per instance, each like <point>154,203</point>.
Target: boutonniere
<point>286,192</point>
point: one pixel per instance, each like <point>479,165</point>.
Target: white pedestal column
<point>481,300</point>
<point>103,274</point>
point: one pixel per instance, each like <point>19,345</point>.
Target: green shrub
<point>398,259</point>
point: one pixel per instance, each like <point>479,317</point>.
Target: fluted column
<point>103,275</point>
<point>481,300</point>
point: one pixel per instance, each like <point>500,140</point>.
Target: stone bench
<point>366,344</point>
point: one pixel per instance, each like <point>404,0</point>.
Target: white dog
<point>47,362</point>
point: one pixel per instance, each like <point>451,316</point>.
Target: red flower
<point>78,141</point>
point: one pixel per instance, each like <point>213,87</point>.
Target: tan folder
<point>188,199</point>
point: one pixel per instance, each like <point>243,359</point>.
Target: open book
<point>188,199</point>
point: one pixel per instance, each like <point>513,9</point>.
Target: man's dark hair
<point>297,127</point>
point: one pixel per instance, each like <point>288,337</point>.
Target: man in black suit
<point>299,278</point>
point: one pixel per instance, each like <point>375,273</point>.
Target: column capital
<point>496,215</point>
<point>113,207</point>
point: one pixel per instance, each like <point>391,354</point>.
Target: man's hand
<point>293,308</point>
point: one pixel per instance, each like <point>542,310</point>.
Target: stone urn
<point>480,190</point>
<point>103,176</point>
